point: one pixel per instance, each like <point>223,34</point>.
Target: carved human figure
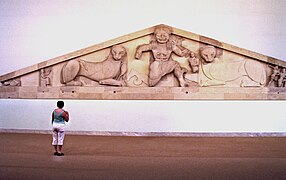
<point>162,47</point>
<point>111,71</point>
<point>237,72</point>
<point>282,78</point>
<point>194,62</point>
<point>274,76</point>
<point>45,79</point>
<point>13,82</point>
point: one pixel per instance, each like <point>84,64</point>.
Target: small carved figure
<point>274,76</point>
<point>194,62</point>
<point>45,79</point>
<point>13,82</point>
<point>162,48</point>
<point>111,71</point>
<point>282,78</point>
<point>237,72</point>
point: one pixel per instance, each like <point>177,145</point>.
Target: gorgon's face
<point>162,37</point>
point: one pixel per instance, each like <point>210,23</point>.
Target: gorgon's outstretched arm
<point>140,49</point>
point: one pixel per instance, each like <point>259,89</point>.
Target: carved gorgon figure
<point>237,72</point>
<point>111,71</point>
<point>162,48</point>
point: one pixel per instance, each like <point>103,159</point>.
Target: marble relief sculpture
<point>111,71</point>
<point>282,78</point>
<point>237,72</point>
<point>160,62</point>
<point>274,76</point>
<point>161,49</point>
<point>207,68</point>
<point>45,79</point>
<point>278,77</point>
<point>194,62</point>
<point>12,82</point>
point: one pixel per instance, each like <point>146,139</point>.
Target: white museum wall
<point>148,116</point>
<point>33,31</point>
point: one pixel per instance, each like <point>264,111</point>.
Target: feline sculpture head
<point>118,52</point>
<point>208,53</point>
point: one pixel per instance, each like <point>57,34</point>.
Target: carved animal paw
<point>78,83</point>
<point>123,83</point>
<point>74,83</point>
<point>190,83</point>
<point>183,84</point>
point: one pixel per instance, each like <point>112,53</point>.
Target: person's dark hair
<point>60,104</point>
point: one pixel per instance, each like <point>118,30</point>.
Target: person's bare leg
<point>55,141</point>
<point>60,149</point>
<point>61,136</point>
<point>56,148</point>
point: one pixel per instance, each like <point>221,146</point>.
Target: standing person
<point>59,117</point>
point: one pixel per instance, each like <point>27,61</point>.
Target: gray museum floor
<point>30,156</point>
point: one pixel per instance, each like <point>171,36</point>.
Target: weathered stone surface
<point>160,62</point>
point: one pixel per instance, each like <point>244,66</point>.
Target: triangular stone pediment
<point>159,62</point>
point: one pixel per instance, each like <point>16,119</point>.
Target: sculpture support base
<point>143,93</point>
